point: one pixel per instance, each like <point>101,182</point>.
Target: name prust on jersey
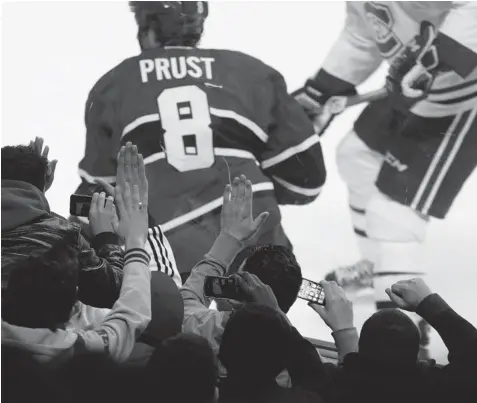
<point>176,68</point>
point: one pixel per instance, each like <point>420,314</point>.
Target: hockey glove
<point>316,93</point>
<point>411,74</point>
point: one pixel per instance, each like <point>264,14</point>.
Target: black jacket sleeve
<point>101,274</point>
<point>460,337</point>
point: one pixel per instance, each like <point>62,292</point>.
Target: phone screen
<point>80,205</point>
<point>311,291</point>
<point>222,288</point>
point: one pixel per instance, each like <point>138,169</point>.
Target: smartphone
<point>80,205</point>
<point>312,292</point>
<point>223,288</point>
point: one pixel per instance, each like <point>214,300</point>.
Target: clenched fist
<point>408,294</point>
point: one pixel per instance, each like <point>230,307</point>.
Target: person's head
<point>390,338</point>
<point>22,163</point>
<point>169,23</point>
<point>277,267</point>
<point>254,343</point>
<point>184,369</point>
<point>42,289</point>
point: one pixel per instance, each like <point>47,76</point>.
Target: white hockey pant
<point>388,233</point>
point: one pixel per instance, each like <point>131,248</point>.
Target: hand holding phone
<point>337,312</point>
<point>80,205</point>
<point>223,288</point>
<point>312,292</point>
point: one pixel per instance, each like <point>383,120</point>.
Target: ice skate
<point>354,278</point>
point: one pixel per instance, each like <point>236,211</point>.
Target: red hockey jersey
<point>201,117</point>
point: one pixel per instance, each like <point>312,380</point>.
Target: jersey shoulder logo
<point>382,21</point>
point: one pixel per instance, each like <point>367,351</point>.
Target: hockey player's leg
<point>400,232</point>
<point>358,166</point>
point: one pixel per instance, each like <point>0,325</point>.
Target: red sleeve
<point>100,152</point>
<point>292,157</point>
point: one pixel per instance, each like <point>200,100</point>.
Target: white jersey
<point>377,31</point>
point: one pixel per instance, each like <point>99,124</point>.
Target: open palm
<point>237,217</point>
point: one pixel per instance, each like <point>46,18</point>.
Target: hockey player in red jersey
<point>199,117</point>
<point>408,156</point>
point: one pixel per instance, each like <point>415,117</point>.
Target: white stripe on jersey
<point>221,113</point>
<point>450,159</point>
<point>289,152</point>
<point>218,151</point>
<point>207,208</point>
<point>252,126</point>
<point>435,161</point>
<point>449,95</point>
<point>297,189</point>
<point>140,121</point>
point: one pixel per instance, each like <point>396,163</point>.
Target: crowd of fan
<point>89,324</point>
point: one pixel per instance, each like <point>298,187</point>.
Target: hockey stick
<point>338,104</point>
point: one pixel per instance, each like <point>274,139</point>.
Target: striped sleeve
<point>130,315</point>
<point>162,256</point>
<point>292,157</point>
<point>457,40</point>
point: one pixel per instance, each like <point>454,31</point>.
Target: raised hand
<point>130,168</point>
<point>37,146</point>
<point>133,220</point>
<point>131,197</point>
<point>408,294</point>
<point>337,312</point>
<point>237,216</point>
<point>102,214</point>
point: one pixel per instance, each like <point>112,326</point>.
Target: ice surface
<point>52,54</point>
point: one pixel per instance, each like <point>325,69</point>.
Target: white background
<point>53,53</point>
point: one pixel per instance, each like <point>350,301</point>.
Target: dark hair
<point>174,23</point>
<point>41,291</point>
<point>184,369</point>
<point>22,163</point>
<point>254,343</point>
<point>389,337</point>
<point>277,267</point>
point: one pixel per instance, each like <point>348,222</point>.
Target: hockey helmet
<point>174,23</point>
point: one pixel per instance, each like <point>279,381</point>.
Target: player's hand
<point>311,98</point>
<point>313,102</point>
<point>37,146</point>
<point>337,312</point>
<point>408,294</point>
<point>411,74</point>
<point>256,291</point>
<point>102,214</point>
<point>237,216</point>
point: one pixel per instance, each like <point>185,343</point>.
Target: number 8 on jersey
<point>185,118</point>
